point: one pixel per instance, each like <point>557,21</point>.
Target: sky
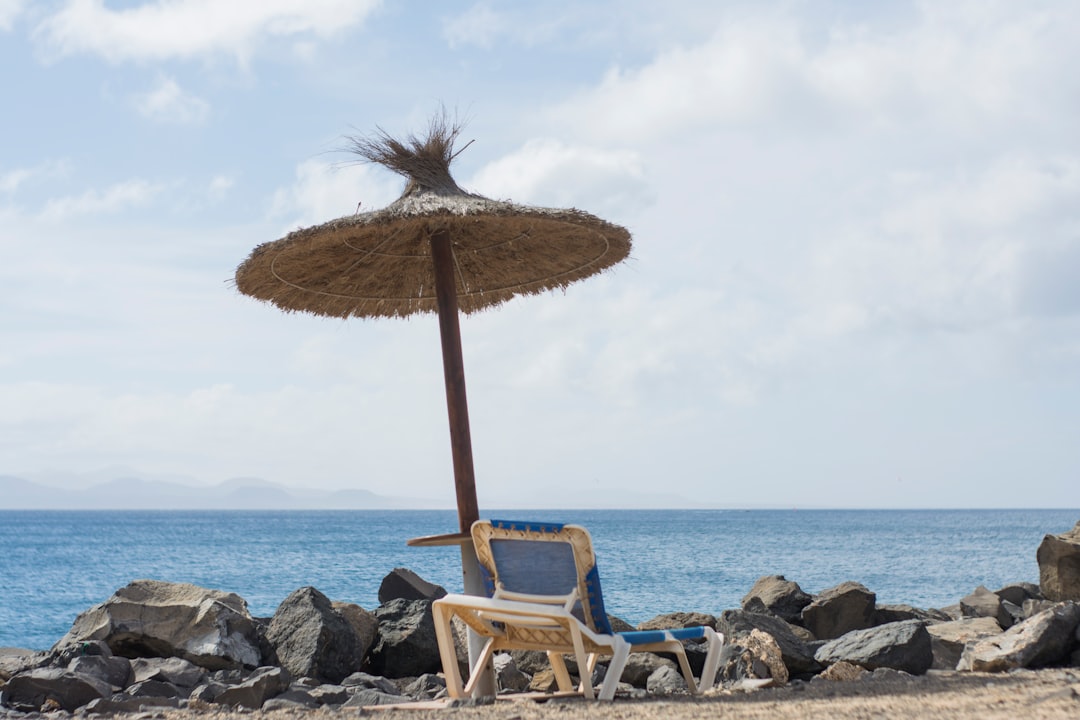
<point>856,234</point>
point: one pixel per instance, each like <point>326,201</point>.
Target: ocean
<point>54,565</point>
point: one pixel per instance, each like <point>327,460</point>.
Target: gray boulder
<point>1059,565</point>
<point>263,684</point>
<point>1019,593</point>
<point>176,671</point>
<point>363,623</point>
<point>983,603</point>
<point>839,610</point>
<point>328,694</point>
<point>313,639</point>
<point>798,655</point>
<point>404,584</point>
<point>52,688</point>
<point>672,621</point>
<point>150,618</point>
<point>901,646</point>
<point>641,665</point>
<point>118,704</point>
<point>507,675</point>
<point>362,680</point>
<point>1044,639</point>
<point>884,614</point>
<point>295,698</point>
<point>428,686</point>
<point>949,639</point>
<point>777,595</point>
<point>407,646</point>
<point>370,697</point>
<point>115,671</point>
<point>666,681</point>
<point>153,689</point>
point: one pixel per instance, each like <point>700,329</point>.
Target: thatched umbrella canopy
<point>437,248</point>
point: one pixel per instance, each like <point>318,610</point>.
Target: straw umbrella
<point>437,248</point>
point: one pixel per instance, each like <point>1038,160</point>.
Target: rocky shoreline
<point>162,648</point>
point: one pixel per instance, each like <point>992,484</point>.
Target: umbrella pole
<point>442,256</point>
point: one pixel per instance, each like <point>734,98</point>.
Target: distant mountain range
<point>134,493</point>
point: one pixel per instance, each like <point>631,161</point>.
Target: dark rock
<point>154,688</point>
<point>531,662</point>
<point>329,694</point>
<point>797,654</point>
<point>672,621</point>
<point>1059,565</point>
<point>116,671</point>
<point>618,624</point>
<point>208,692</point>
<point>125,704</point>
<point>884,614</point>
<point>507,674</point>
<point>902,646</point>
<point>363,622</point>
<point>150,618</point>
<point>370,696</point>
<point>292,699</point>
<point>404,584</point>
<point>949,639</point>
<point>32,690</point>
<point>16,660</point>
<point>1032,608</point>
<point>264,684</point>
<point>1043,639</point>
<point>983,603</point>
<point>779,596</point>
<point>839,610</point>
<point>312,639</point>
<point>666,681</point>
<point>174,670</point>
<point>428,686</point>
<point>362,680</point>
<point>640,666</point>
<point>1019,593</point>
<point>407,646</point>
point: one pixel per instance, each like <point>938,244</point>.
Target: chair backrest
<point>541,559</point>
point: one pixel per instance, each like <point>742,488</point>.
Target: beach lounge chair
<point>545,595</point>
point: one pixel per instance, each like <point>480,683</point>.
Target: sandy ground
<point>1030,695</point>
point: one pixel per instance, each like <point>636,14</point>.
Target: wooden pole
<point>457,406</point>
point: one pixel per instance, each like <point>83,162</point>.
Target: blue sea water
<point>54,565</point>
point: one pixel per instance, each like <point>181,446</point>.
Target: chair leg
<point>620,652</point>
<point>480,667</point>
<point>582,664</point>
<point>445,637</point>
<point>677,648</point>
<point>562,675</point>
<point>712,659</point>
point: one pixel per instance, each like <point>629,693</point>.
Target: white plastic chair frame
<point>572,622</point>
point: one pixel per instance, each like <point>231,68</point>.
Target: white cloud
<point>956,65</point>
<point>169,103</point>
<point>548,172</point>
<point>13,180</point>
<point>9,10</point>
<point>323,192</point>
<point>191,28</point>
<point>220,187</point>
<point>479,25</point>
<point>121,196</point>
